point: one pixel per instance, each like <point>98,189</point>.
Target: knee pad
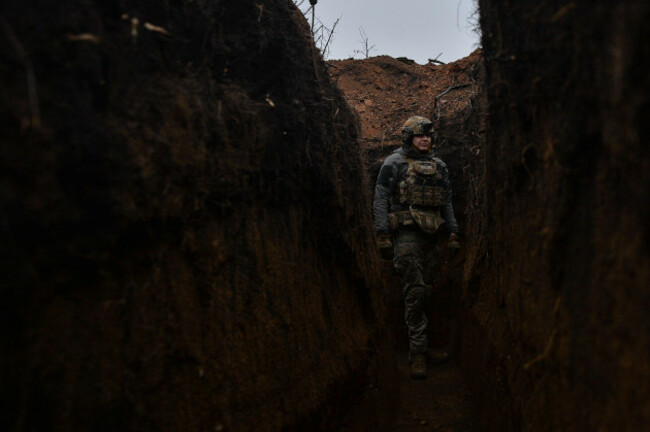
<point>415,296</point>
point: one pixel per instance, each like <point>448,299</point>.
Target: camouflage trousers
<point>416,261</point>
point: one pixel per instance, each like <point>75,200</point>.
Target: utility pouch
<point>398,219</point>
<point>425,168</point>
<point>428,220</point>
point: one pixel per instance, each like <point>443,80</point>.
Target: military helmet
<point>416,125</point>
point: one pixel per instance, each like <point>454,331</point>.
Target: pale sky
<point>417,29</point>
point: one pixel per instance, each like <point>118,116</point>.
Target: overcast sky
<point>417,29</point>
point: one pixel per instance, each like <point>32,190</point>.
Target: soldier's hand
<point>385,246</point>
<point>453,246</point>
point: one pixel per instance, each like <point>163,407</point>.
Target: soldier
<point>412,202</point>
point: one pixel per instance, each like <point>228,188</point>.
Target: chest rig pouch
<point>420,192</point>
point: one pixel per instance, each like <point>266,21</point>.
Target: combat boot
<point>419,366</point>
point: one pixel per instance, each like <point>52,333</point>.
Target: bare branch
<point>364,41</point>
<point>329,38</point>
<point>320,33</point>
<point>452,88</point>
<point>435,60</point>
<point>435,103</point>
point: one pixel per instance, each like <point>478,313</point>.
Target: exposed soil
<point>386,91</point>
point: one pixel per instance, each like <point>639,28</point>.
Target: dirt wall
<point>556,283</point>
<point>184,238</point>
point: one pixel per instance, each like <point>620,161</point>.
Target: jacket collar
<point>411,153</point>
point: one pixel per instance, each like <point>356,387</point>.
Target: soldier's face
<point>422,143</point>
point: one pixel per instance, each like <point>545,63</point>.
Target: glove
<point>385,246</point>
<point>453,246</point>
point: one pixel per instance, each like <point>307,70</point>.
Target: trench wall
<point>184,224</point>
<point>555,291</point>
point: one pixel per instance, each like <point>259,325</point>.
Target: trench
<point>384,91</point>
<point>188,243</point>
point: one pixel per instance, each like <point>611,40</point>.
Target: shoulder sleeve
<point>447,210</point>
<point>386,181</point>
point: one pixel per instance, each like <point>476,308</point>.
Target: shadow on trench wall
<point>555,332</point>
<point>184,238</point>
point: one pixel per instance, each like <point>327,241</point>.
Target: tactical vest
<point>419,191</point>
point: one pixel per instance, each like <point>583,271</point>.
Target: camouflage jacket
<point>392,172</point>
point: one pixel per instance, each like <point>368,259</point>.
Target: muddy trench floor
<point>441,402</point>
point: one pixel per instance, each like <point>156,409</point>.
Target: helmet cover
<point>416,125</point>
